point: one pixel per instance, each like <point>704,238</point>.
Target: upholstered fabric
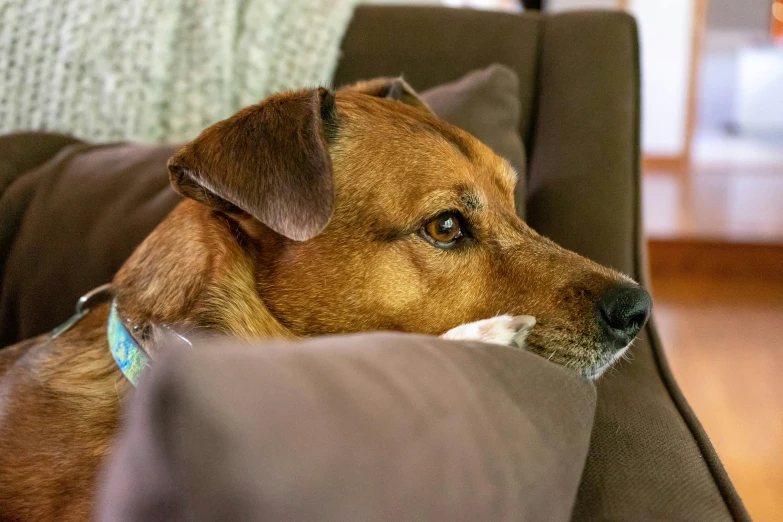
<point>22,152</point>
<point>487,102</point>
<point>67,226</point>
<point>382,427</point>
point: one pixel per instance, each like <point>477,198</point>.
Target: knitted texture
<point>157,70</point>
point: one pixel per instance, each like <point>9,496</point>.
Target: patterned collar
<point>129,356</point>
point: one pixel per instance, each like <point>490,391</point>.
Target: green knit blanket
<point>157,70</point>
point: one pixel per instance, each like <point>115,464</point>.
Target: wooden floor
<point>716,256</point>
<point>731,191</point>
<point>724,341</point>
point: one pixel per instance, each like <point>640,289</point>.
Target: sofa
<point>648,457</point>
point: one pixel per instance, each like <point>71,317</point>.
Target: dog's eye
<point>444,229</point>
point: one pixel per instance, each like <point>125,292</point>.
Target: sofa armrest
<point>649,457</point>
<point>584,161</point>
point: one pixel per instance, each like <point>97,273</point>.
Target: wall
<point>562,5</point>
<point>665,31</point>
<point>739,15</point>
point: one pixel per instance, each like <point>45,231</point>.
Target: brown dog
<point>310,213</point>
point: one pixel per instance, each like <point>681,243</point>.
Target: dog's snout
<point>623,310</point>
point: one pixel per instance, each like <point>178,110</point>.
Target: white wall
<point>759,102</point>
<point>739,15</point>
<point>562,5</point>
<point>665,32</point>
<point>717,89</point>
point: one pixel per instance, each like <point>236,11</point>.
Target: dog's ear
<point>393,88</point>
<point>270,160</point>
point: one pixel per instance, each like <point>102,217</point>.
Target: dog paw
<point>507,330</point>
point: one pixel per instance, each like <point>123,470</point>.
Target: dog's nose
<point>623,310</point>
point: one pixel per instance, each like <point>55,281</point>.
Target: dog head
<point>361,211</point>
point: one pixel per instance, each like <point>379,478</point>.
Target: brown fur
<point>230,259</point>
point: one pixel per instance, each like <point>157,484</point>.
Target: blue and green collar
<point>128,354</point>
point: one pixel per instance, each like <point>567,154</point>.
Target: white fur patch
<point>507,330</point>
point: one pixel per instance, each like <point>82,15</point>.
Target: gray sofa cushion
<point>355,428</point>
<point>486,103</point>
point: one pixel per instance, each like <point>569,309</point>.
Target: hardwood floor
<point>716,258</point>
<point>724,340</point>
<point>719,260</point>
<point>731,191</point>
<point>723,204</point>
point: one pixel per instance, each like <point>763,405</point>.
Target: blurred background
<point>712,139</point>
